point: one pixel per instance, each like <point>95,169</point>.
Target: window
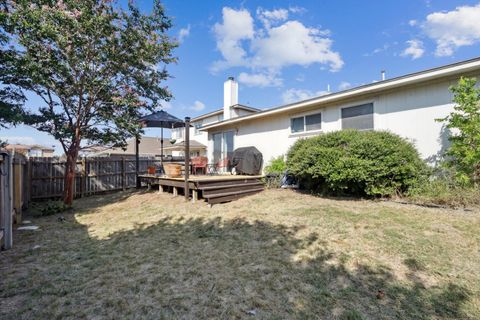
<point>177,133</point>
<point>197,126</point>
<point>306,123</point>
<point>313,122</point>
<point>298,124</point>
<point>358,117</point>
<point>35,153</point>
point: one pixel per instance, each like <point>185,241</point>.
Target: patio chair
<point>220,166</point>
<point>199,163</point>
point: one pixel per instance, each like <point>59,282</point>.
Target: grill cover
<point>247,160</point>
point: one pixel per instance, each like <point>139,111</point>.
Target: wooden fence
<point>6,207</point>
<point>45,176</point>
<point>23,180</point>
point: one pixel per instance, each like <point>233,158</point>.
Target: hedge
<point>371,163</point>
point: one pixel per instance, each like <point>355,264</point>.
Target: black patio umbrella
<point>162,119</point>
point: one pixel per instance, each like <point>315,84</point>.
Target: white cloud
<point>198,106</point>
<point>271,17</point>
<point>297,9</point>
<point>412,23</point>
<point>183,33</point>
<point>344,85</point>
<point>300,77</point>
<point>294,44</point>
<point>294,95</point>
<point>266,51</point>
<point>260,79</point>
<point>453,29</point>
<point>414,50</point>
<point>383,48</point>
<point>237,25</point>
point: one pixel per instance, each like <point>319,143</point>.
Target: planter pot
<point>172,170</point>
<point>152,170</point>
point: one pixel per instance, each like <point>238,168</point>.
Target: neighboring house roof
<point>220,111</point>
<point>148,146</point>
<point>93,149</point>
<point>28,147</point>
<point>194,145</point>
<point>455,69</point>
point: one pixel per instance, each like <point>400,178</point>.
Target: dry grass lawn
<point>275,255</point>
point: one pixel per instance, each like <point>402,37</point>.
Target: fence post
<point>29,181</point>
<point>124,175</point>
<point>83,178</point>
<point>17,188</point>
<point>6,200</point>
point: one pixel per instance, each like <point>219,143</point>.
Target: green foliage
<point>274,170</point>
<point>373,163</point>
<point>464,151</point>
<point>276,165</point>
<point>11,111</point>
<point>96,67</point>
<point>442,188</point>
<point>351,315</point>
<point>49,208</point>
<point>11,98</point>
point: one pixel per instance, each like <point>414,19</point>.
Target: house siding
<point>409,112</point>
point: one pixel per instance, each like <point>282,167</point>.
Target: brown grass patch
<point>278,254</point>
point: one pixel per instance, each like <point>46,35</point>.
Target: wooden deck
<point>214,189</point>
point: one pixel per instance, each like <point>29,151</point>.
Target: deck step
<point>231,193</point>
<point>208,184</point>
<point>241,188</point>
<point>227,198</point>
<point>215,187</point>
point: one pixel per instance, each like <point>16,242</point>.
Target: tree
<point>464,152</point>
<point>11,99</point>
<point>96,67</point>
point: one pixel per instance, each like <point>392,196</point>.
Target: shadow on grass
<point>203,269</point>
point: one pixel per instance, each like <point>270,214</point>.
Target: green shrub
<point>49,208</point>
<point>443,188</point>
<point>464,152</point>
<point>373,163</point>
<point>276,165</point>
<point>274,172</point>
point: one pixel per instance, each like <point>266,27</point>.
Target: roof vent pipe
<point>328,88</point>
<point>383,75</point>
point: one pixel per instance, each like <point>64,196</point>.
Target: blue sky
<point>285,51</point>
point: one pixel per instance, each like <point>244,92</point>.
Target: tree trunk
<point>68,191</point>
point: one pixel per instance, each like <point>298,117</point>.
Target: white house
<point>407,105</point>
<point>198,138</point>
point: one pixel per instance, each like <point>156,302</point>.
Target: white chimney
<point>383,75</point>
<point>230,97</point>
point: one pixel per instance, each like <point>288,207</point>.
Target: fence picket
<point>94,175</point>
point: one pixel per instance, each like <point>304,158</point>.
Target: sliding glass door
<point>217,147</point>
<point>222,145</point>
<point>228,145</point>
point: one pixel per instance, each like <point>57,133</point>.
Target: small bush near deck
<point>276,165</point>
<point>372,163</point>
<point>274,171</point>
